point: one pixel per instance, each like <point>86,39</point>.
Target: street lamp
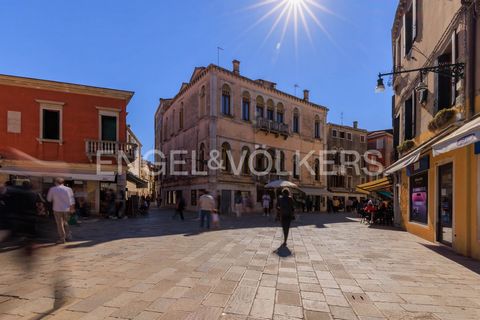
<point>380,86</point>
<point>455,71</point>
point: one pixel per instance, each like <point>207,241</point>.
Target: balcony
<point>277,128</point>
<point>110,148</point>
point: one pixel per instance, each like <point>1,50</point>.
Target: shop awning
<point>404,162</point>
<point>139,182</point>
<point>65,175</point>
<point>467,134</point>
<point>376,185</point>
<point>315,191</point>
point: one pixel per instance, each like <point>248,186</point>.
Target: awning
<point>467,134</point>
<point>314,191</point>
<point>380,184</point>
<point>404,162</point>
<point>139,182</point>
<point>65,175</point>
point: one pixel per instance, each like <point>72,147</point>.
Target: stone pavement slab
<point>153,268</point>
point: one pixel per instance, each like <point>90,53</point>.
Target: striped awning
<point>376,185</point>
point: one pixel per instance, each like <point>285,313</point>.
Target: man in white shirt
<point>63,204</point>
<point>206,204</point>
<point>266,204</point>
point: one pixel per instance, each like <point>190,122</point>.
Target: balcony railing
<point>272,126</point>
<point>110,148</point>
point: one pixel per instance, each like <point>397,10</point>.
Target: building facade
<point>342,139</point>
<point>436,177</point>
<point>137,185</point>
<point>382,141</point>
<point>54,129</point>
<point>221,110</point>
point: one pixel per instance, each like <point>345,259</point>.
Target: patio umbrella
<point>280,184</point>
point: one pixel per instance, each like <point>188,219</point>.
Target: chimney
<point>355,124</point>
<point>306,95</point>
<point>236,66</point>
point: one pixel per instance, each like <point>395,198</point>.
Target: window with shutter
<point>408,134</point>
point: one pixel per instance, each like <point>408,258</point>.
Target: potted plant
<point>443,118</point>
<point>405,146</point>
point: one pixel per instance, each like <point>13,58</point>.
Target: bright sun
<point>292,13</point>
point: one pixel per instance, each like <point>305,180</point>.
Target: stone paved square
<point>157,268</point>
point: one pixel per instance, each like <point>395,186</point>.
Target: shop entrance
<point>445,204</point>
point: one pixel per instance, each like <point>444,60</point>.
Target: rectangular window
<point>379,143</point>
<point>409,132</point>
<point>280,117</point>
<point>444,84</point>
<point>109,128</point>
<point>418,198</point>
<point>334,133</point>
<point>50,124</point>
<point>408,30</point>
<point>14,122</point>
<point>362,139</point>
<point>270,114</point>
<point>342,134</point>
<point>349,136</point>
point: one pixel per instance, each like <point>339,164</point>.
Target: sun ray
<point>275,24</point>
<point>305,25</point>
<point>266,15</point>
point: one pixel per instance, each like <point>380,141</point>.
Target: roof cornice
<point>25,82</point>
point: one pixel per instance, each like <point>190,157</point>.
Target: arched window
<point>260,107</point>
<point>180,118</point>
<point>280,113</point>
<point>296,121</point>
<point>295,167</point>
<point>173,123</point>
<point>317,170</point>
<point>225,158</point>
<point>201,158</point>
<point>245,166</point>
<point>260,162</point>
<point>270,110</point>
<point>226,100</point>
<point>246,106</point>
<point>317,127</point>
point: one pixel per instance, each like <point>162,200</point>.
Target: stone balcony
<point>270,126</point>
<point>110,148</point>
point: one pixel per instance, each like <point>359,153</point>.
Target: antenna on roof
<point>218,55</point>
<point>295,86</point>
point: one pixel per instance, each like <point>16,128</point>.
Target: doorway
<point>445,204</point>
<point>226,202</point>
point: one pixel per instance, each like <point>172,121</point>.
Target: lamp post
<point>456,70</point>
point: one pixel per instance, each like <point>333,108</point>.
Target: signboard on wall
<point>419,198</point>
<point>477,147</point>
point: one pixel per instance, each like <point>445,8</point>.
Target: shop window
<point>419,198</point>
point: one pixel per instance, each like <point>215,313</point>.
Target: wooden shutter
<point>414,113</point>
<point>436,86</point>
<point>408,119</point>
<point>414,18</point>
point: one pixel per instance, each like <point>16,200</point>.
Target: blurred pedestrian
<point>287,213</point>
<point>238,204</point>
<point>63,202</point>
<point>180,208</point>
<point>266,204</point>
<point>206,204</point>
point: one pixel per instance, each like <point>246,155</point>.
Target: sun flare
<point>296,14</point>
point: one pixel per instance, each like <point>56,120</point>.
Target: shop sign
<point>418,198</point>
<point>477,147</point>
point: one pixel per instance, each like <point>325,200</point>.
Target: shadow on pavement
<point>283,252</point>
<point>448,253</point>
<point>159,223</point>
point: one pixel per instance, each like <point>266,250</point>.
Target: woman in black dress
<point>286,209</point>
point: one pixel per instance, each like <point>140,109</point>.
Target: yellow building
<point>436,123</point>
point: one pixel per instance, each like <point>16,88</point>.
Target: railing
<point>272,126</point>
<point>112,148</point>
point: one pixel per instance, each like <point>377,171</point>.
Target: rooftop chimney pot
<point>236,66</point>
<point>355,124</point>
<point>306,95</point>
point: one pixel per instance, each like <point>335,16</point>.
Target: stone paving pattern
<point>156,268</point>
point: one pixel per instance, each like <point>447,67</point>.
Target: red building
<point>50,129</point>
<point>382,141</point>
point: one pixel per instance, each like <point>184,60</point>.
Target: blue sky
<point>152,46</point>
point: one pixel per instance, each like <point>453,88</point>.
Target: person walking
<point>266,204</point>
<point>206,204</point>
<point>180,208</point>
<point>287,213</point>
<point>63,204</point>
